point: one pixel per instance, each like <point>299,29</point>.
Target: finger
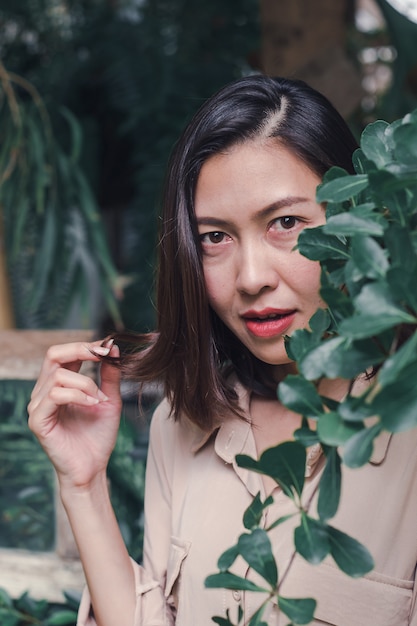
<point>40,417</point>
<point>110,376</point>
<point>62,377</point>
<point>71,356</point>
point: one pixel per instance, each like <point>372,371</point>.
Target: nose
<point>256,269</point>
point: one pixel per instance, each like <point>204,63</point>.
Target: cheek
<point>307,279</point>
<point>216,287</point>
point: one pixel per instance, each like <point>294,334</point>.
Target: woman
<point>240,188</point>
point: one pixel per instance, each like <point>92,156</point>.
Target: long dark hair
<point>192,352</point>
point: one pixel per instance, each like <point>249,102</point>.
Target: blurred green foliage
<point>26,478</point>
<point>27,518</point>
<point>26,611</point>
<point>131,73</point>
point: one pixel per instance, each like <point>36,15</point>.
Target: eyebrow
<point>261,214</point>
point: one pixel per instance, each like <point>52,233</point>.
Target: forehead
<point>252,173</point>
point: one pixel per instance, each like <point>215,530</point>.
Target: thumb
<point>110,376</point>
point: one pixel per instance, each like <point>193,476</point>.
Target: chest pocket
<point>375,600</point>
<point>177,554</point>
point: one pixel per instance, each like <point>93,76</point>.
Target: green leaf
<point>255,548</point>
<point>349,224</point>
<point>358,449</point>
<point>311,539</point>
<point>375,143</point>
<point>396,363</point>
<point>369,257</point>
<point>76,134</point>
<point>300,395</point>
<point>396,403</point>
<point>227,620</point>
<point>299,610</point>
<point>5,599</point>
<point>300,342</point>
<point>227,559</point>
<point>62,618</point>
<point>284,463</point>
<point>405,137</point>
<point>400,245</point>
<point>316,245</point>
<point>378,312</point>
<point>350,555</point>
<point>330,486</point>
<point>8,618</point>
<point>361,164</point>
<point>342,188</point>
<point>341,357</point>
<point>333,430</point>
<point>222,621</point>
<point>402,282</point>
<point>227,580</point>
<point>320,321</point>
<point>253,514</point>
<point>305,435</point>
<point>256,619</point>
<point>340,305</point>
<point>355,408</point>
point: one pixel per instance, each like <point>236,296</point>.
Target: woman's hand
<point>75,421</point>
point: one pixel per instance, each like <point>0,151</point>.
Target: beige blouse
<point>195,498</point>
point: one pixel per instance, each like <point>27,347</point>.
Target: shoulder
<point>168,433</point>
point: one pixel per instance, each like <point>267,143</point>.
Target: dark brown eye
<point>288,221</point>
<point>215,237</point>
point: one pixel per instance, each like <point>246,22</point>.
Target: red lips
<point>268,322</point>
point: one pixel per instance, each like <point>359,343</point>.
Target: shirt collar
<point>233,432</point>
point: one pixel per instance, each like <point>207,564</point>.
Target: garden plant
<point>368,254</point>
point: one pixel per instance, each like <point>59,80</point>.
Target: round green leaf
<point>299,610</point>
<point>284,463</point>
<point>358,449</point>
<point>375,143</point>
<point>405,138</point>
<point>350,555</point>
<point>333,430</point>
<point>311,539</point>
<point>300,395</point>
<point>255,548</point>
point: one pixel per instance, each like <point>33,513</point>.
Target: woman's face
<point>251,204</point>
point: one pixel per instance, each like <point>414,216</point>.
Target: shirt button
<point>237,595</point>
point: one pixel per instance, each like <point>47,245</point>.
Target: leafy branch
<point>368,254</point>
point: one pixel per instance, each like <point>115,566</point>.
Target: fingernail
<point>101,396</point>
<point>108,343</point>
<point>101,350</point>
<point>92,400</point>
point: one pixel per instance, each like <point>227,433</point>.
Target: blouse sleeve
<point>152,607</point>
<point>413,616</point>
